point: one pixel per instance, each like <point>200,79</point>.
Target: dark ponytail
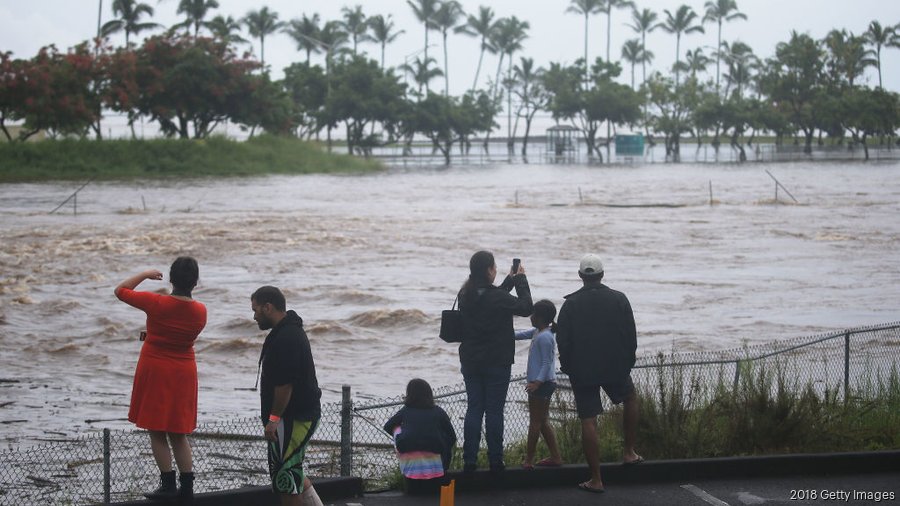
<point>545,311</point>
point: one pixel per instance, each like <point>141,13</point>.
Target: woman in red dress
<point>164,394</point>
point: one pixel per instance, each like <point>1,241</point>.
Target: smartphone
<point>515,265</point>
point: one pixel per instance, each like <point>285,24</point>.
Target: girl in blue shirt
<point>541,377</point>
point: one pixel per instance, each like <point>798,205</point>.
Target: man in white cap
<point>597,342</point>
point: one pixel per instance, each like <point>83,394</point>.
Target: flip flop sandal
<point>587,488</point>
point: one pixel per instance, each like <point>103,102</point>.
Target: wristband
<point>274,418</point>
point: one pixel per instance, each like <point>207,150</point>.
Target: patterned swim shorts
<point>286,455</point>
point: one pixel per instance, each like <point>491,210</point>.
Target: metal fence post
<point>106,465</point>
<point>737,373</point>
<point>847,366</point>
<point>346,431</point>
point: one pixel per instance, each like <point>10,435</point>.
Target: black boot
<point>166,489</point>
<point>186,491</point>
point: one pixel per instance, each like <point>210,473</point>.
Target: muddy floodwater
<point>370,261</point>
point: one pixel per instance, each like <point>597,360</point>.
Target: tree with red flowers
<point>190,85</point>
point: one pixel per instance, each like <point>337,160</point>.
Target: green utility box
<point>630,145</point>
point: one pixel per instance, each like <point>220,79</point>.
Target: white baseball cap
<point>590,265</point>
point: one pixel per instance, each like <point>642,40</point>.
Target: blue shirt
<point>541,354</point>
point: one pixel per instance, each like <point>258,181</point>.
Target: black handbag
<point>452,324</point>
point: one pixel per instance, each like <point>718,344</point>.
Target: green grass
<point>765,413</point>
<point>161,158</point>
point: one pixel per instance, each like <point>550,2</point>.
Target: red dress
<point>164,395</point>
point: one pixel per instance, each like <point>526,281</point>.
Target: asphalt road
<point>794,490</point>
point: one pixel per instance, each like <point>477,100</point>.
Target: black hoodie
<point>286,358</point>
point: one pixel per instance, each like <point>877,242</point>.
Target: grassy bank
<point>766,413</point>
<point>127,159</point>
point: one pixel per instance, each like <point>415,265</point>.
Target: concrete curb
<point>683,470</point>
<point>329,489</point>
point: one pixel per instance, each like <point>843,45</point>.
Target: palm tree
<point>445,19</point>
<point>607,9</point>
<point>511,32</point>
<point>741,62</point>
<point>879,37</point>
<point>643,22</point>
<point>721,11</point>
<point>849,56</point>
<point>586,8</point>
<point>382,32</point>
<point>695,61</point>
<point>422,71</point>
<point>532,95</point>
<point>355,24</point>
<point>332,37</point>
<point>129,13</point>
<point>681,22</point>
<point>305,32</point>
<point>482,26</point>
<point>227,30</point>
<point>632,52</point>
<point>261,23</point>
<point>195,12</point>
<point>424,12</point>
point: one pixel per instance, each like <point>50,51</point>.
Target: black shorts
<point>587,398</point>
<point>545,391</point>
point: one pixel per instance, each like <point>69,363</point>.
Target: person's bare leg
<point>550,439</point>
<point>291,499</point>
<point>536,414</point>
<point>159,445</point>
<point>310,497</point>
<point>181,447</point>
<point>629,421</point>
<point>591,451</point>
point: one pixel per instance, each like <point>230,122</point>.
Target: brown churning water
<point>370,261</point>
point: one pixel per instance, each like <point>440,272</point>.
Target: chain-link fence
<point>117,465</point>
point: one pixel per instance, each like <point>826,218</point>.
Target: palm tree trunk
<point>644,57</point>
<point>677,58</point>
<point>509,136</point>
<point>262,51</point>
<point>878,60</point>
<point>587,65</point>
<point>446,70</point>
<point>718,49</point>
<point>497,80</point>
<point>426,53</point>
<point>478,68</point>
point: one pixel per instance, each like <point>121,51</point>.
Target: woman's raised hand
<point>153,274</point>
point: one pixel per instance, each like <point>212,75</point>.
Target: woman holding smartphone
<point>164,394</point>
<point>487,351</point>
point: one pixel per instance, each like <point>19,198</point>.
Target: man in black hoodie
<point>597,342</point>
<point>289,395</point>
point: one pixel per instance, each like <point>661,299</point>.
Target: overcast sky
<point>555,35</point>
